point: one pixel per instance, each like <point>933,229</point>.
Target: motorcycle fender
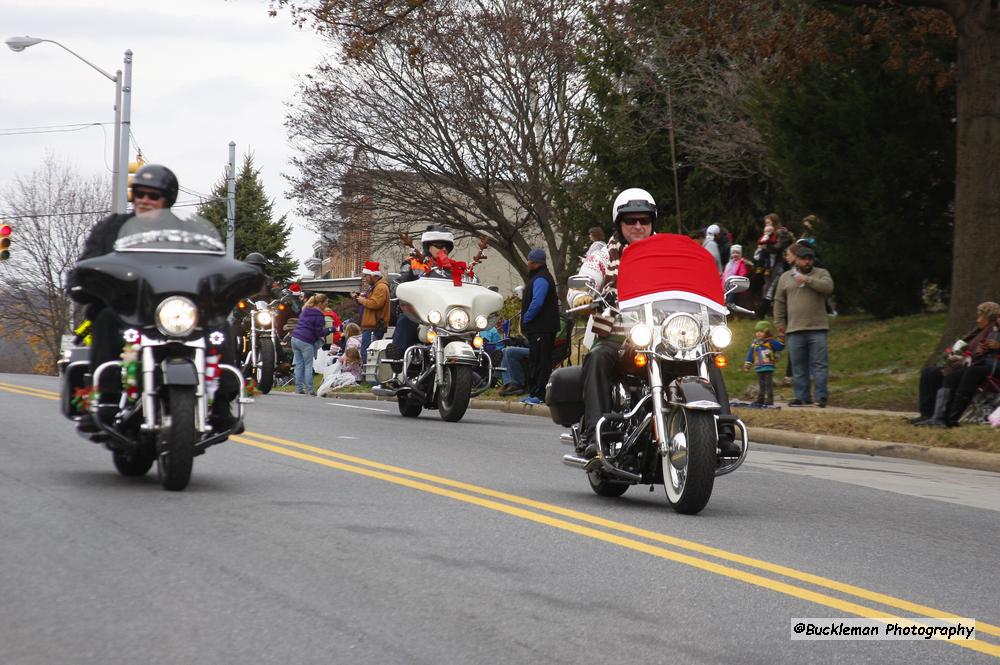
<point>693,392</point>
<point>460,353</point>
<point>179,372</point>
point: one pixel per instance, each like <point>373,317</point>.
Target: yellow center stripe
<point>32,392</point>
<point>654,550</point>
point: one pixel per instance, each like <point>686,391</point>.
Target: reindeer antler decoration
<point>481,256</point>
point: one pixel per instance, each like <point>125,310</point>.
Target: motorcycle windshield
<point>427,295</point>
<point>151,262</point>
<point>164,231</point>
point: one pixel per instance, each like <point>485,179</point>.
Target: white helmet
<point>633,200</point>
<point>437,234</point>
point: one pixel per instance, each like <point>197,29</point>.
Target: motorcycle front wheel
<point>689,469</point>
<point>176,453</point>
<point>454,393</point>
<point>265,370</point>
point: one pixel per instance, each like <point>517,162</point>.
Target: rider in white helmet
<point>634,216</point>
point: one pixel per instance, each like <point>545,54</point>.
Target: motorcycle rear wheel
<point>134,465</point>
<point>264,373</point>
<point>689,472</point>
<point>176,452</point>
<point>409,407</point>
<point>454,394</point>
<point>604,487</point>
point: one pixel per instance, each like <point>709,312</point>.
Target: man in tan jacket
<point>376,303</point>
<point>800,312</point>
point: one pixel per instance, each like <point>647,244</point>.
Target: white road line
<point>352,438</point>
<point>365,408</point>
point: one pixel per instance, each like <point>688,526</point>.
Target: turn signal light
<point>242,304</point>
<point>720,361</point>
<point>640,360</point>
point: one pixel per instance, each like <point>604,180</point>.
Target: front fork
<point>656,390</point>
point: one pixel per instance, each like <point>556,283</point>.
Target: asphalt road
<point>340,532</point>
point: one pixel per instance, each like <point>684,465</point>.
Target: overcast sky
<point>204,73</point>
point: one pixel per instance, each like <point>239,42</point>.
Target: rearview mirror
<point>737,284</point>
<point>580,282</point>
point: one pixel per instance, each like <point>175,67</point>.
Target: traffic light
<point>6,231</point>
<point>132,168</point>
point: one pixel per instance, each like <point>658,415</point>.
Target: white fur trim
<point>366,271</point>
<point>674,295</point>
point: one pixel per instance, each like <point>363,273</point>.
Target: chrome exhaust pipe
<point>567,438</point>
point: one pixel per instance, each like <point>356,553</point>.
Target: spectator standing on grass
<point>771,248</point>
<point>800,315</point>
<point>761,357</point>
<point>539,323</point>
<point>709,243</point>
<point>736,266</point>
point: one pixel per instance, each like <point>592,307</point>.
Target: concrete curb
<point>966,459</point>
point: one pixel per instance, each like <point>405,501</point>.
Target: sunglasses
<point>439,245</point>
<point>645,221</point>
<point>152,195</point>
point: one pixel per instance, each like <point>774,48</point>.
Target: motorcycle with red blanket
<point>665,424</point>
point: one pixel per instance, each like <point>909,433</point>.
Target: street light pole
<point>123,107</point>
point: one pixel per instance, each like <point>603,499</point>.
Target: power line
<point>74,124</point>
<point>4,132</point>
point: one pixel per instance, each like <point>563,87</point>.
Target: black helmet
<point>256,259</point>
<point>156,176</point>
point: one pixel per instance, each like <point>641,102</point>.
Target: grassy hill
<point>874,364</point>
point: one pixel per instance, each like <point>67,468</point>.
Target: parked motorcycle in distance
<point>439,372</point>
<point>258,351</point>
<point>664,424</point>
<point>170,283</point>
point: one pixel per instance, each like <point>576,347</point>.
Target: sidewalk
<point>968,459</point>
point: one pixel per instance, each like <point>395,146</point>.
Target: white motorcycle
<point>440,371</point>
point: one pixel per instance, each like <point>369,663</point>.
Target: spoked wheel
<point>409,407</point>
<point>176,453</point>
<point>264,372</point>
<point>134,464</point>
<point>689,469</point>
<point>604,487</point>
<point>454,393</point>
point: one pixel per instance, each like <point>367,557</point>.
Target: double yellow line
<point>627,536</point>
<point>752,571</point>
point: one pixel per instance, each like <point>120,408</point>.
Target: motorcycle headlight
<point>176,316</point>
<point>482,322</point>
<point>641,335</point>
<point>682,331</point>
<point>720,336</point>
<point>458,319</point>
<point>477,342</point>
<point>264,318</point>
<point>434,317</point>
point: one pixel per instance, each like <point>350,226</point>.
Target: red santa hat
<point>371,268</point>
<point>295,288</point>
<point>667,266</point>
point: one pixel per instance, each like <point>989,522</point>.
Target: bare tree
<point>469,120</point>
<point>51,211</point>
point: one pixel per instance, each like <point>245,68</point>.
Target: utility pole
<point>121,191</point>
<point>231,203</point>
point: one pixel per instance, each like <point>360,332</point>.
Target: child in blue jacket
<point>762,356</point>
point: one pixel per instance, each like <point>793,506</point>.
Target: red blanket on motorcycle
<point>667,266</point>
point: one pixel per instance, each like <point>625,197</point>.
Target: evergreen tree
<point>872,153</point>
<point>256,228</point>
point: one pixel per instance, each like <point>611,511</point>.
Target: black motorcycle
<point>169,282</point>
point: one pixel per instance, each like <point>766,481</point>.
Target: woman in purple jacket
<point>310,328</point>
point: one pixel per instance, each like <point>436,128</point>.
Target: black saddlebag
<point>564,395</point>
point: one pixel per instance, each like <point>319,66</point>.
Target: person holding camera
<point>376,303</point>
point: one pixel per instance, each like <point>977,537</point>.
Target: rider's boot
<point>727,441</point>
